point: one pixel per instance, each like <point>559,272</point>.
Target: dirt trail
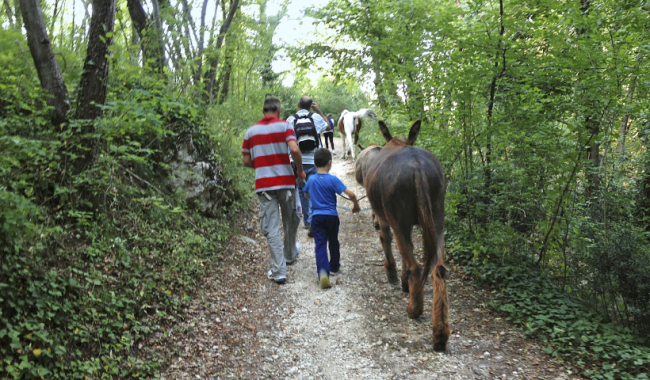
<point>249,327</point>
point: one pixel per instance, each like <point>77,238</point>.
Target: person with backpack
<point>308,125</point>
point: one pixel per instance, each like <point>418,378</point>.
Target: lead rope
<point>346,198</point>
<point>348,208</point>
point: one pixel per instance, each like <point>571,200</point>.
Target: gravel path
<point>358,329</point>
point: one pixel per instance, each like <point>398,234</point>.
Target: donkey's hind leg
<point>386,238</point>
<point>411,271</point>
<point>375,222</point>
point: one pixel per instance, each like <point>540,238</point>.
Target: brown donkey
<point>406,187</point>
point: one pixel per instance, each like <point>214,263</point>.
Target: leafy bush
<point>602,349</point>
<point>92,264</point>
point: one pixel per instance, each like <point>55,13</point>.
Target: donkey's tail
<point>440,310</point>
<point>426,222</point>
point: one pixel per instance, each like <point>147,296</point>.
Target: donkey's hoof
<point>405,285</point>
<point>414,311</point>
<point>392,277</point>
<point>440,347</point>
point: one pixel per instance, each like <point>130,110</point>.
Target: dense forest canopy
<point>120,128</point>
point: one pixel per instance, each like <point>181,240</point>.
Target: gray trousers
<point>273,204</point>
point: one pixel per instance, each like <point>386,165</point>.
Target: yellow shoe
<point>325,281</point>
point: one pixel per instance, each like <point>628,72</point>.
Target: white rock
<point>195,174</point>
<point>248,240</point>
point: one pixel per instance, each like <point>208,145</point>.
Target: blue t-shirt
<point>331,121</point>
<point>322,189</point>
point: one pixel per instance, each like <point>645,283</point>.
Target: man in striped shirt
<point>265,149</point>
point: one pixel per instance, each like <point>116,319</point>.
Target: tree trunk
<point>185,40</point>
<point>447,107</point>
<point>84,22</point>
<point>201,41</point>
<point>56,8</point>
<point>227,68</point>
<point>626,117</point>
<point>416,97</point>
<point>381,97</point>
<point>592,124</point>
<point>18,15</point>
<point>10,15</point>
<point>176,45</point>
<point>93,85</point>
<point>44,60</point>
<point>488,149</point>
<point>246,77</point>
<point>188,21</point>
<point>593,154</point>
<point>211,75</point>
<point>73,29</point>
<point>150,36</point>
<point>157,37</point>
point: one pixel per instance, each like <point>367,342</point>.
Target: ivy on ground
<point>543,310</point>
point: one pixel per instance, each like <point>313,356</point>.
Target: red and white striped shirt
<point>266,142</point>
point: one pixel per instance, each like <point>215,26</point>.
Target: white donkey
<point>350,125</point>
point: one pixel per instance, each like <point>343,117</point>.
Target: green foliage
<point>603,349</point>
<point>95,265</point>
<point>83,288</point>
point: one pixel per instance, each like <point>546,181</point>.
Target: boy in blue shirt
<point>322,188</point>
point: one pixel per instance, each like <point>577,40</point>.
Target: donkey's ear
<point>414,132</point>
<point>384,131</point>
<point>360,147</point>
